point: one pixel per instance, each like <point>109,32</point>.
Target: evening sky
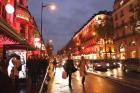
<point>70,15</point>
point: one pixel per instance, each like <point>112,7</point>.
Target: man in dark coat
<point>69,68</point>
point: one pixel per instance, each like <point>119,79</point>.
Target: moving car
<point>100,65</point>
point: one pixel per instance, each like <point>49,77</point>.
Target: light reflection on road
<point>118,73</point>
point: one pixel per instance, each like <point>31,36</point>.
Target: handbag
<point>73,69</point>
<point>64,75</point>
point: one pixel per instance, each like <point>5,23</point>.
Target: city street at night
<point>93,84</point>
<point>69,46</point>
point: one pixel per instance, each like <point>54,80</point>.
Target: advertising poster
<point>10,54</point>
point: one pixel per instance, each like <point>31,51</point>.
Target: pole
<point>41,88</point>
<point>41,23</point>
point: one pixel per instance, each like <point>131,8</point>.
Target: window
<point>133,55</point>
<point>3,12</point>
<point>21,2</point>
<point>22,29</point>
<point>121,14</point>
<point>123,23</point>
<point>116,17</point>
<point>133,43</point>
<point>130,8</point>
<point>0,8</point>
<point>123,33</point>
<point>116,25</point>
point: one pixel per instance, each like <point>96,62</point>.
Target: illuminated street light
<point>50,41</point>
<point>51,7</point>
<point>9,8</point>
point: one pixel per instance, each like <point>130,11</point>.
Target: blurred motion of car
<point>131,64</point>
<point>100,65</point>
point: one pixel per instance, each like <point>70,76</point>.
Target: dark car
<point>131,64</point>
<point>100,65</point>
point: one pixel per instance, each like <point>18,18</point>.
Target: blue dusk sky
<point>70,15</point>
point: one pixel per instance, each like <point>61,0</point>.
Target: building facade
<point>125,18</point>
<point>88,41</point>
<point>17,26</point>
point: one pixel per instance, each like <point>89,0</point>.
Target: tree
<point>104,29</point>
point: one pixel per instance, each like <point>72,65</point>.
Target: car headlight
<point>107,64</point>
<point>98,65</point>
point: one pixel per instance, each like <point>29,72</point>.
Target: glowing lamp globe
<point>9,9</point>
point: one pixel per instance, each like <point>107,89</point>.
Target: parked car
<point>131,64</point>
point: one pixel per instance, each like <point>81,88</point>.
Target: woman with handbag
<point>82,67</point>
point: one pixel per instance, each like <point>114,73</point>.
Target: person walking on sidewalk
<point>82,70</point>
<point>69,68</point>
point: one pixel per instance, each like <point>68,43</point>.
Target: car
<point>100,65</point>
<point>112,63</point>
<point>131,64</point>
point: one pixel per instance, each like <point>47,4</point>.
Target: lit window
<point>133,43</point>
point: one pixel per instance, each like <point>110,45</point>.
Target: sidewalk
<point>59,85</point>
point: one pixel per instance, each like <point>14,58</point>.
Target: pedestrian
<point>82,67</point>
<point>5,83</point>
<point>55,63</point>
<point>15,71</point>
<point>69,68</point>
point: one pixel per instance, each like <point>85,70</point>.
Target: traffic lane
<point>133,75</point>
<point>120,74</point>
<point>96,84</point>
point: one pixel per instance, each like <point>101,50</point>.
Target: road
<point>96,84</point>
<point>93,84</point>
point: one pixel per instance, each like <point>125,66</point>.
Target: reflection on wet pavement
<point>59,85</point>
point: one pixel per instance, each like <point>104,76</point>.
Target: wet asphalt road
<point>93,84</point>
<point>96,84</point>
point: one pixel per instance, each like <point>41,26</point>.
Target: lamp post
<point>51,7</point>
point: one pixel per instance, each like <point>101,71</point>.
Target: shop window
<point>22,29</point>
<point>110,50</point>
<point>122,48</point>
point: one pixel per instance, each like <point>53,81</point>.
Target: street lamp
<point>51,7</point>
